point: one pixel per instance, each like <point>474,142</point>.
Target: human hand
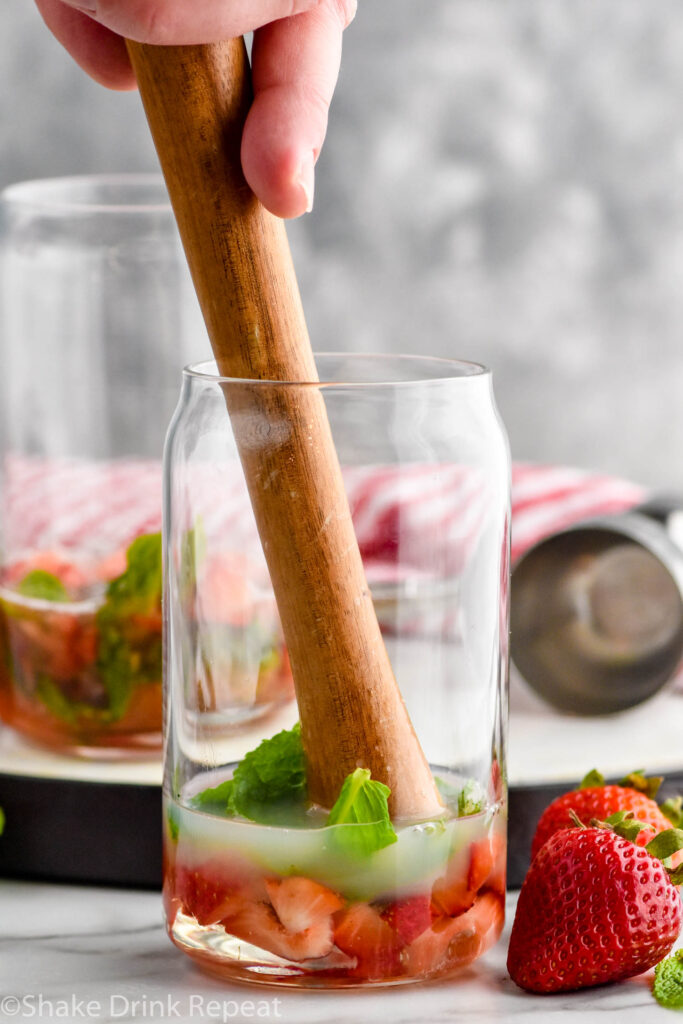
<point>295,63</point>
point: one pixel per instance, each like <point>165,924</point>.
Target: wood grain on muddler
<point>196,99</point>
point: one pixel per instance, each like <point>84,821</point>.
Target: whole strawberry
<point>594,908</point>
<point>595,799</point>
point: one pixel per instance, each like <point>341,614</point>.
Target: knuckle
<point>148,21</point>
<point>345,10</point>
<point>155,22</point>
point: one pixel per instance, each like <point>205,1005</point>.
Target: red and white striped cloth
<point>546,499</point>
<point>432,511</point>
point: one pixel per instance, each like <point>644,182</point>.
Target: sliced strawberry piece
<point>211,891</point>
<point>409,917</point>
<point>498,874</point>
<point>257,923</point>
<point>300,903</point>
<point>455,892</point>
<point>451,894</point>
<point>455,942</point>
<point>362,933</point>
<point>481,863</point>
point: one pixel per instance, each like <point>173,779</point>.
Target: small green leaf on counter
<point>668,983</point>
<point>362,804</point>
<point>2,821</point>
<point>42,585</point>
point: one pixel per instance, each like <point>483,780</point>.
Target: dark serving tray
<point>100,822</point>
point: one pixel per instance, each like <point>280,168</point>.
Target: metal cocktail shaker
<point>597,609</point>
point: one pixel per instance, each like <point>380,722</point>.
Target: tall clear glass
<point>97,318</point>
<point>259,883</point>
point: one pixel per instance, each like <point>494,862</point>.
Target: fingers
<point>295,59</point>
<point>98,51</point>
<point>174,22</point>
<point>295,64</point>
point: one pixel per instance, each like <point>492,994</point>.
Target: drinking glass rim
<point>44,193</point>
<point>468,370</point>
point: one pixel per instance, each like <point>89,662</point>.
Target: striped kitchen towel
<point>425,515</point>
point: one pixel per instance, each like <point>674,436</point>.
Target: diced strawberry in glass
<point>258,924</point>
<point>409,917</point>
<point>361,932</point>
<point>481,863</point>
<point>212,891</point>
<point>454,942</point>
<point>300,902</point>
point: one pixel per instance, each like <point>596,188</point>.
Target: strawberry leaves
<point>593,778</point>
<point>639,781</point>
<point>673,810</point>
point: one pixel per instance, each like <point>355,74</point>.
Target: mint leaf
<point>173,824</point>
<point>54,700</point>
<point>216,798</point>
<point>593,778</point>
<point>464,800</point>
<point>668,983</point>
<point>673,810</point>
<point>139,587</point>
<point>129,653</point>
<point>467,799</point>
<point>269,783</point>
<point>42,585</point>
<point>362,804</point>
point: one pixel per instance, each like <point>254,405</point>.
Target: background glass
<point>98,314</point>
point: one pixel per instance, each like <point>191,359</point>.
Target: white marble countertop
<point>78,953</point>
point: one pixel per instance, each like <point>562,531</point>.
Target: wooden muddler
<point>196,99</point>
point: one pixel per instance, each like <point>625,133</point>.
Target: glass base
<point>103,746</point>
<point>442,953</point>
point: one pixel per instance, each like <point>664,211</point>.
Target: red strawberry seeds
<point>594,908</point>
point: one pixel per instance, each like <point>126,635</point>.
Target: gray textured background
<point>502,182</point>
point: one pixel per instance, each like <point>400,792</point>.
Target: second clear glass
<point>276,893</point>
